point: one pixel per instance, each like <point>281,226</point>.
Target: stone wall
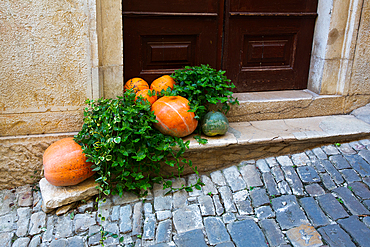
<point>56,54</point>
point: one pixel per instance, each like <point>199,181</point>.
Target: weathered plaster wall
<point>45,65</point>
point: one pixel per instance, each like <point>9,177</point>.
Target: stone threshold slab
<point>260,139</point>
<point>257,106</point>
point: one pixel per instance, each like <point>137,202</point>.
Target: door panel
<point>268,44</point>
<point>155,45</point>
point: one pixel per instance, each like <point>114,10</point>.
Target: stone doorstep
<point>261,139</point>
<point>257,106</point>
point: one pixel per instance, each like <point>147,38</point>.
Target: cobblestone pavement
<point>314,198</point>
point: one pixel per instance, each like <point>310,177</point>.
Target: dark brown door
<point>263,45</point>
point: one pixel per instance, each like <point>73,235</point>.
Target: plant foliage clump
<point>126,151</point>
<point>202,86</point>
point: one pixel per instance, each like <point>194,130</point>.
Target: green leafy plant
<point>204,86</point>
<point>126,151</point>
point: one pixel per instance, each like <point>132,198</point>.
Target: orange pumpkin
<point>173,116</point>
<point>65,164</point>
<point>145,94</point>
<point>162,83</point>
<point>136,84</point>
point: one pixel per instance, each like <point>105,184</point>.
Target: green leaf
<point>117,139</point>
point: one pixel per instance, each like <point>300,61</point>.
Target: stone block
<point>234,179</point>
<point>350,201</point>
<point>304,236</point>
<point>164,231</point>
<point>206,205</point>
<point>187,218</point>
<point>270,184</point>
<point>272,232</point>
<point>288,213</point>
<point>259,197</point>
<point>332,171</point>
<point>308,174</point>
<point>332,207</point>
<point>359,164</point>
<point>350,175</point>
<point>314,189</point>
<point>190,238</point>
<point>57,196</point>
<point>246,231</point>
<point>293,180</point>
<point>218,178</point>
<point>251,176</point>
<point>334,235</point>
<point>313,211</point>
<point>216,230</point>
<point>360,190</point>
<point>227,198</point>
<point>300,159</point>
<point>358,230</point>
<point>264,212</point>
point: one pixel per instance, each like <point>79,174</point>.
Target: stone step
<point>257,106</point>
<point>268,138</point>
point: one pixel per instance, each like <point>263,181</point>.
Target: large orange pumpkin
<point>65,164</point>
<point>173,116</point>
<point>145,94</point>
<point>136,84</point>
<point>162,83</point>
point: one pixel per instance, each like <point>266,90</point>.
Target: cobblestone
<point>234,178</point>
<point>359,164</point>
<point>315,189</point>
<point>216,230</point>
<point>270,184</point>
<point>246,231</point>
<point>336,236</point>
<point>357,229</point>
<point>308,174</point>
<point>262,165</point>
<point>335,175</point>
<point>351,202</point>
<point>320,154</point>
<point>293,180</point>
<point>251,176</point>
<point>340,162</point>
<point>350,175</point>
<point>332,207</point>
<point>273,234</point>
<point>313,211</point>
<point>275,201</point>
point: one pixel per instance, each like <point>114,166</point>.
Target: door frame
<point>330,65</point>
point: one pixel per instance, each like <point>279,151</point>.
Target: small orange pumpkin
<point>136,84</point>
<point>173,116</point>
<point>65,164</point>
<point>162,83</point>
<point>145,94</point>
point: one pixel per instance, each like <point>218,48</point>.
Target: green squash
<point>214,123</point>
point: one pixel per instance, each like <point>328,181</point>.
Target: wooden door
<point>263,45</point>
